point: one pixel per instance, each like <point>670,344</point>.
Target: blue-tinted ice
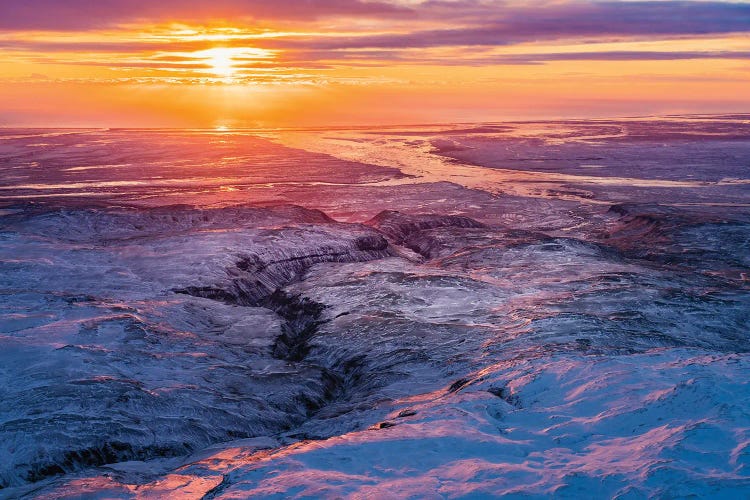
<point>513,308</point>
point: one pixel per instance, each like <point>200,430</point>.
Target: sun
<point>221,61</point>
<point>229,63</point>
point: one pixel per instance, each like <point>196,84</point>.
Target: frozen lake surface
<point>519,309</point>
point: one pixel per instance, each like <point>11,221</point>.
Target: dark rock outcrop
<point>258,275</point>
<point>399,226</point>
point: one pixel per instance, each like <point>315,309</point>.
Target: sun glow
<point>222,62</point>
<point>230,62</point>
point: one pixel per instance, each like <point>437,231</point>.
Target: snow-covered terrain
<point>455,336</point>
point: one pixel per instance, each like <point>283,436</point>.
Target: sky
<point>287,63</point>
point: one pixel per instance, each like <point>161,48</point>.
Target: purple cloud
<point>507,25</point>
<point>88,14</point>
<point>468,22</point>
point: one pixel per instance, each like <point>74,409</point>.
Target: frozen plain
<point>445,311</point>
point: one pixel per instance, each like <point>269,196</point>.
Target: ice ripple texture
<point>239,351</point>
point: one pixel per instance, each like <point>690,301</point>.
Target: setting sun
<point>221,61</point>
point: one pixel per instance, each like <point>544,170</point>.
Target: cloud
<point>628,55</point>
<point>61,15</point>
<point>505,25</point>
<point>479,59</point>
<point>460,22</point>
<point>465,22</point>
